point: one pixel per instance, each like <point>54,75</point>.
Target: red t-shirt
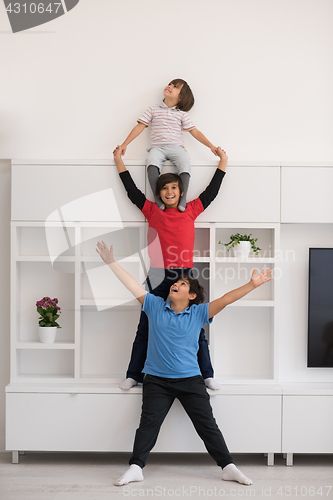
<point>171,234</point>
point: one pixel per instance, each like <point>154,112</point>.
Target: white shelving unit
<point>78,278</point>
<point>245,339</point>
<point>83,368</point>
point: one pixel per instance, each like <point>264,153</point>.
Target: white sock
<point>134,473</point>
<point>212,384</point>
<point>127,384</point>
<point>231,473</point>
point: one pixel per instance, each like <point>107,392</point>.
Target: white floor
<point>90,476</point>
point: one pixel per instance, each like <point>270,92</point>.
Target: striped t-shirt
<point>166,124</point>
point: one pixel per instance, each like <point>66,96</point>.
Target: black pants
<point>158,396</point>
<point>160,281</point>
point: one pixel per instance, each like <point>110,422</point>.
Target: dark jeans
<point>159,282</point>
<point>157,398</point>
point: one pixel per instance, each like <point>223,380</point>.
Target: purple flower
<point>49,311</point>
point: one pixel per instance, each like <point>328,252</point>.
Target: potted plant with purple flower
<point>49,312</point>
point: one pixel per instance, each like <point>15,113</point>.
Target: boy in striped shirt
<point>168,120</point>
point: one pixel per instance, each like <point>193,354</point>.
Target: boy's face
<point>170,194</point>
<point>172,91</point>
<point>180,291</point>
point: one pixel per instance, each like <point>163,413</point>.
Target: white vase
<point>47,334</point>
<point>242,250</point>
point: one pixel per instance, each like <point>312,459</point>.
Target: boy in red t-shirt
<point>170,247</point>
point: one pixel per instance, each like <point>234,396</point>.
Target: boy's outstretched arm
<point>127,279</point>
<point>201,138</point>
<point>256,280</point>
<point>118,160</point>
<point>131,136</point>
<point>135,195</point>
<point>211,191</point>
<point>223,159</point>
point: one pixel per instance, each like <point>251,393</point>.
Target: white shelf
<point>71,387</point>
<point>201,259</point>
<point>41,345</point>
<point>31,379</point>
<point>253,303</point>
<point>43,258</point>
<point>249,260</point>
<point>92,258</point>
<point>109,302</point>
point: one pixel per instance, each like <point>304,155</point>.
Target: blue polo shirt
<point>173,338</point>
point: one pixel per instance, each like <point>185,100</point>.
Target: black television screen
<point>320,312</point>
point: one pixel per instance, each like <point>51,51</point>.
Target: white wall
<point>260,70</point>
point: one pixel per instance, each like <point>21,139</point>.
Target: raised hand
<point>117,153</point>
<point>221,153</point>
<point>261,278</point>
<point>123,148</point>
<point>104,252</point>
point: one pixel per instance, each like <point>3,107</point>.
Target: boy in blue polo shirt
<point>171,367</point>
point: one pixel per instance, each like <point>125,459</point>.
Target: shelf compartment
<point>266,241</point>
<point>99,283</point>
<point>106,341</point>
<point>40,363</point>
<point>244,343</point>
<point>46,282</point>
<point>45,240</point>
<point>229,276</point>
<point>126,241</point>
<point>202,272</point>
<point>201,248</point>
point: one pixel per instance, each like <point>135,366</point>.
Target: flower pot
<point>47,334</point>
<point>242,250</point>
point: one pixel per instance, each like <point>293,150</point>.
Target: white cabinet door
<point>247,194</point>
<point>66,422</point>
<point>89,422</point>
<point>307,424</point>
<point>73,193</point>
<point>107,422</point>
<point>249,423</point>
<point>306,194</point>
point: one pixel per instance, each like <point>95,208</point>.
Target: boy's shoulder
<point>154,299</point>
<point>152,303</point>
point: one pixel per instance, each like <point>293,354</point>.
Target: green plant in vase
<point>242,240</point>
